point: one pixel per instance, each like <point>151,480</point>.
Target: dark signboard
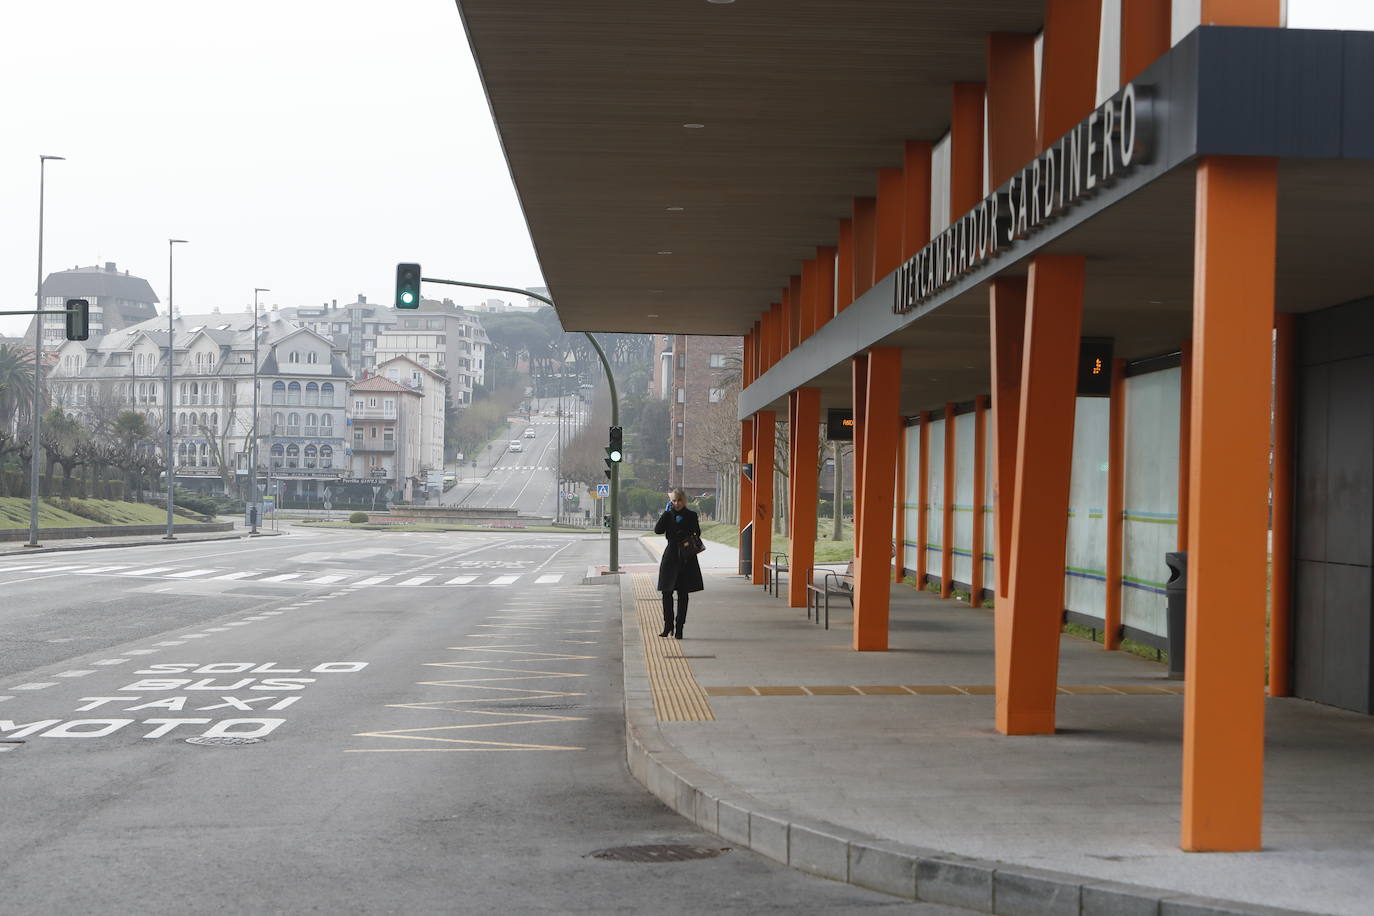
<point>839,425</point>
<point>1095,367</point>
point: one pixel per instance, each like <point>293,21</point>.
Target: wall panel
<point>963,498</point>
<point>911,493</point>
<point>935,523</point>
<point>1151,503</point>
<point>1086,552</point>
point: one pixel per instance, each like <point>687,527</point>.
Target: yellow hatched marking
<point>677,695</point>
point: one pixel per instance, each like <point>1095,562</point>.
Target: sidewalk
<point>884,769</point>
<point>12,548</point>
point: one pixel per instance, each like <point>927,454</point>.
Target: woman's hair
<point>678,493</point>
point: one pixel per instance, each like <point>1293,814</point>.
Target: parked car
<point>516,445</point>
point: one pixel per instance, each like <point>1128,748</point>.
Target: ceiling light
<point>721,2</point>
<point>692,125</point>
<point>673,209</point>
<point>651,316</point>
<point>665,252</point>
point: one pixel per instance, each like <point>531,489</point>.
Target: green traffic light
<point>615,455</point>
<point>407,297</point>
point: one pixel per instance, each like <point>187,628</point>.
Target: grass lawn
<point>14,513</point>
<point>827,551</point>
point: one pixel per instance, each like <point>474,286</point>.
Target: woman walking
<point>678,571</point>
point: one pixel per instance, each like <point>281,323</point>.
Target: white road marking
<point>140,652</point>
<point>239,623</point>
<point>325,580</point>
<point>259,617</point>
<point>460,580</point>
<point>544,580</point>
<point>216,629</point>
<point>82,673</point>
<point>9,569</point>
<point>195,635</point>
<point>417,580</point>
<point>149,571</point>
<point>504,580</point>
<point>190,573</point>
<point>373,581</point>
<point>39,685</point>
<point>235,575</point>
<point>101,569</point>
<point>170,642</point>
<point>270,613</point>
<point>112,661</point>
<point>3,699</point>
<point>281,578</point>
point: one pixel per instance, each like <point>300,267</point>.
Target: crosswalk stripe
<point>50,569</point>
<point>235,575</point>
<point>375,580</point>
<point>149,571</point>
<point>504,580</point>
<point>417,580</point>
<point>544,580</point>
<point>8,569</point>
<point>281,578</point>
<point>190,573</point>
<point>460,580</point>
<point>325,580</point>
<point>101,569</point>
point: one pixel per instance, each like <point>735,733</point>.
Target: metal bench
<point>772,570</point>
<point>832,583</point>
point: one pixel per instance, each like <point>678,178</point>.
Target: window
<point>678,461</point>
<point>682,360</point>
<point>717,360</point>
<point>679,428</point>
<point>277,452</point>
<point>293,453</point>
<point>278,422</point>
<point>357,405</point>
<point>278,392</point>
<point>312,357</point>
<point>388,435</point>
<point>310,456</point>
<point>716,395</point>
<point>204,455</point>
<point>326,424</point>
<point>312,394</point>
<point>326,456</point>
<point>311,424</point>
<point>293,393</point>
<point>434,324</point>
<point>389,405</point>
<point>681,396</point>
<point>371,402</point>
<point>327,394</point>
<point>295,357</point>
<point>411,323</point>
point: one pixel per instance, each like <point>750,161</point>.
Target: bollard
<point>1176,591</point>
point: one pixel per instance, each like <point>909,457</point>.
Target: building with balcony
<point>385,418</point>
<point>118,300</point>
<point>353,328</point>
<point>431,386</point>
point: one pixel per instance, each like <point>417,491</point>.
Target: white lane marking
<point>170,642</point>
<point>3,699</point>
<point>101,569</point>
<point>149,571</point>
<point>460,580</point>
<point>544,580</point>
<point>9,569</point>
<point>236,575</point>
<point>281,578</point>
<point>8,747</point>
<point>417,580</point>
<point>270,613</point>
<point>373,581</point>
<point>81,673</point>
<point>140,652</point>
<point>239,623</point>
<point>38,685</point>
<point>195,635</point>
<point>325,580</point>
<point>112,661</point>
<point>259,617</point>
<point>216,629</point>
<point>504,580</point>
<point>190,573</point>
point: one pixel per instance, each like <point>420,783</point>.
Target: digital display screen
<point>839,425</point>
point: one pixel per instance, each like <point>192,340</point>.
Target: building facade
<point>704,377</point>
<point>117,300</point>
<point>386,424</point>
<point>432,387</point>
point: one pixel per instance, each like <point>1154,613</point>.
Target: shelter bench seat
<point>832,583</point>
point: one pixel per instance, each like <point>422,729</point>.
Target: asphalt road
<point>524,480</point>
<point>439,722</point>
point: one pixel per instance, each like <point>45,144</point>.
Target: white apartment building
<point>431,385</point>
<point>386,426</point>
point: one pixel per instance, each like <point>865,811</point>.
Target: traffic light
<point>616,450</point>
<point>78,319</point>
<point>407,286</point>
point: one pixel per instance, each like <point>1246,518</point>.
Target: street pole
<point>37,364</point>
<point>253,489</point>
<point>171,359</point>
<point>615,404</point>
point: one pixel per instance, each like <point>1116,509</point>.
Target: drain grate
<point>659,853</point>
<point>223,741</point>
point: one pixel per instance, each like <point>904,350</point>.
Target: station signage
<point>839,425</point>
<point>1108,144</point>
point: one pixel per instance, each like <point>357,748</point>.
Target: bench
<point>772,570</point>
<point>832,583</point>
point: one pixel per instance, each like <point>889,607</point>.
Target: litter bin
<point>1176,591</point>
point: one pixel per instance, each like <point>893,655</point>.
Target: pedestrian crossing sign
<point>603,490</point>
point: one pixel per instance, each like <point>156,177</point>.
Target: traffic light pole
<point>615,404</point>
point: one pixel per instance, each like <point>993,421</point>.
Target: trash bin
<point>1176,591</point>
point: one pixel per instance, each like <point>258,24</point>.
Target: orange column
<point>898,510</point>
<point>980,457</point>
<point>1281,559</point>
<point>873,522</point>
<point>806,423</point>
<point>1233,315</point>
<point>794,292</point>
<point>1029,621</point>
<point>746,494</point>
<point>1068,69</point>
<point>844,267</point>
<point>766,340</point>
<point>825,285</point>
<point>775,334</point>
<point>1145,35</point>
<point>947,515</point>
<point>965,149</point>
<point>1266,13</point>
<point>808,299</point>
<point>916,197</point>
<point>1116,497</point>
<point>765,430</point>
<point>1185,439</point>
<point>1008,326</point>
<point>887,236</point>
<point>923,501</point>
<point>858,368</point>
<point>865,225</point>
<point>1011,104</point>
<point>789,321</point>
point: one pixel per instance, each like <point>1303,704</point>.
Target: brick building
<point>703,379</point>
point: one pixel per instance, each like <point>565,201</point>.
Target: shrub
<point>357,518</point>
<point>94,513</point>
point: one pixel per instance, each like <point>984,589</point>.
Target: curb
<point>30,551</point>
<point>841,854</point>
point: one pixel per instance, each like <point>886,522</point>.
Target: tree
<point>63,439</point>
<point>16,386</point>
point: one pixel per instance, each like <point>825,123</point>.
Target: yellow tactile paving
<point>677,695</point>
<point>871,690</point>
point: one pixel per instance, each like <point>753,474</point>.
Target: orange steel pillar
<point>1028,623</point>
<point>858,368</point>
<point>947,515</point>
<point>1185,439</point>
<point>1281,560</point>
<point>898,509</point>
<point>865,228</point>
<point>844,267</point>
<point>746,487</point>
<point>873,522</point>
<point>1068,70</point>
<point>1233,315</point>
<point>775,334</point>
<point>789,321</point>
<point>887,236</point>
<point>923,501</point>
<point>808,299</point>
<point>1011,104</point>
<point>1145,28</point>
<point>1008,298</point>
<point>1242,12</point>
<point>1116,497</point>
<point>794,292</point>
<point>916,196</point>
<point>825,285</point>
<point>765,429</point>
<point>805,434</point>
<point>965,149</point>
<point>980,457</point>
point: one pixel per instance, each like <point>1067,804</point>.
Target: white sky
<point>301,145</point>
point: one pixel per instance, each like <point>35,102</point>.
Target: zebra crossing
<point>361,578</point>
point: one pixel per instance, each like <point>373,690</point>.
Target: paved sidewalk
<point>884,769</point>
<point>52,545</point>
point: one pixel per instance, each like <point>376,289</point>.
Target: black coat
<point>678,571</point>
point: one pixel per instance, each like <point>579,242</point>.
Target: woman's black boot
<point>667,622</point>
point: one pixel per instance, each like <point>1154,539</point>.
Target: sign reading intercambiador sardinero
<point>1101,148</point>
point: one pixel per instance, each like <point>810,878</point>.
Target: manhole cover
<point>659,853</point>
<point>223,742</point>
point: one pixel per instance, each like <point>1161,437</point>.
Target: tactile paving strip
<point>871,690</point>
<point>677,695</point>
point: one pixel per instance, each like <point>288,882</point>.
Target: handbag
<point>693,544</point>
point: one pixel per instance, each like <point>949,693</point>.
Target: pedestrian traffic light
<point>615,451</point>
<point>407,286</point>
<point>78,319</point>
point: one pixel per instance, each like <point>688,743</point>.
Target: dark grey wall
<point>1333,605</point>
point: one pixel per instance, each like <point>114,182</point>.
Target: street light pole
<point>171,359</point>
<point>37,364</point>
<point>253,488</point>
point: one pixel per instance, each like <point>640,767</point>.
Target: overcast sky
<point>301,145</point>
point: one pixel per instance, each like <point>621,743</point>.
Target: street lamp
<point>37,363</point>
<point>171,358</point>
<point>257,502</point>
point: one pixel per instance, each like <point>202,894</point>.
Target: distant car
<point>516,445</point>
<point>529,433</point>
